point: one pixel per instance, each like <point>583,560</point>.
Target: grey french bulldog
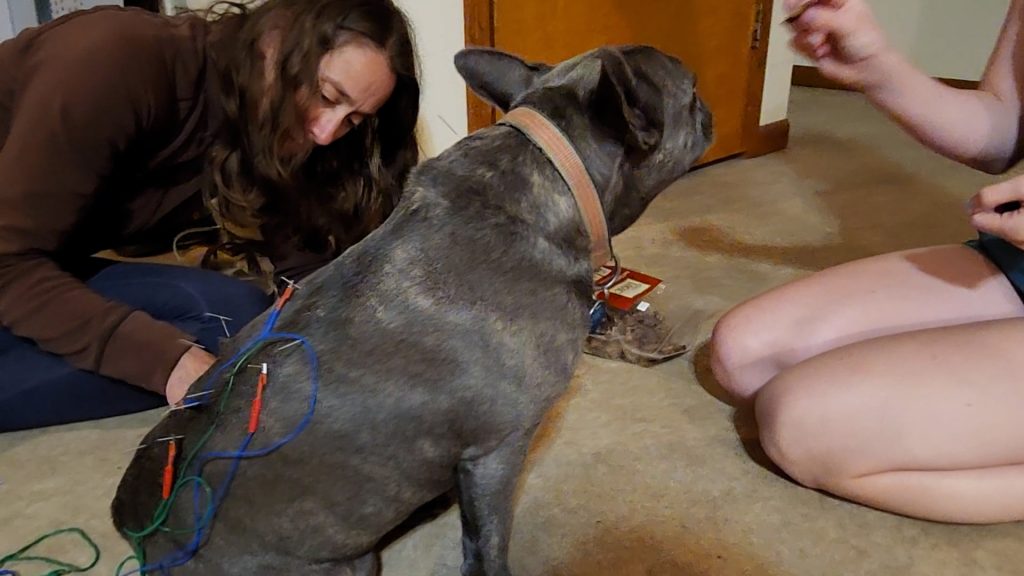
<point>443,337</point>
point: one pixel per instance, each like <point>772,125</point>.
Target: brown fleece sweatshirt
<point>104,123</point>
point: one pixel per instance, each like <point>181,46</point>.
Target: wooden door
<point>717,39</point>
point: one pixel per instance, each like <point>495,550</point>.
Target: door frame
<point>757,139</point>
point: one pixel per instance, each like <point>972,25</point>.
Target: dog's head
<point>632,112</point>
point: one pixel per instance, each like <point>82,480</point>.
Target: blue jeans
<point>40,389</point>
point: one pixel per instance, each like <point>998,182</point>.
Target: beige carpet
<point>643,471</point>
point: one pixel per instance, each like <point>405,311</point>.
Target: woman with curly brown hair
<point>288,128</point>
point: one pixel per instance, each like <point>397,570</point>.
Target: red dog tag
<point>628,290</point>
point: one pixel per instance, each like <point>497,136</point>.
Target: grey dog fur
<point>443,337</point>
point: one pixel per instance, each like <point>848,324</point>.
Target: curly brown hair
<point>267,200</point>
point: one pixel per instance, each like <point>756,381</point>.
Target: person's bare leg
<point>888,294</point>
<point>925,424</point>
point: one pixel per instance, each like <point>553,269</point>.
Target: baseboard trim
<point>810,77</point>
<point>768,139</point>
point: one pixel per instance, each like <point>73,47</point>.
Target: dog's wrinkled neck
<point>564,157</point>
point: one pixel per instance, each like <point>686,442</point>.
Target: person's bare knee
<point>744,351</point>
<point>795,434</point>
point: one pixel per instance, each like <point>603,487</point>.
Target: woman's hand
<point>193,364</point>
<point>996,210</point>
<point>843,38</point>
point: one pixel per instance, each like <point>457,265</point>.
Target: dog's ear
<point>618,102</point>
<point>497,77</point>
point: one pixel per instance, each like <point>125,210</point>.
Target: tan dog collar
<point>560,151</point>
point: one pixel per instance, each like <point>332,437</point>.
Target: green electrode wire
<point>164,509</point>
<point>61,568</point>
<point>159,516</point>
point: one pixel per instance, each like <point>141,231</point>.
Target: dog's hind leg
<point>486,489</point>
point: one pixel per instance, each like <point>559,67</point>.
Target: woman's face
<point>355,80</point>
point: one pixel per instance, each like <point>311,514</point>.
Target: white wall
<point>946,38</point>
<point>778,70</point>
<point>439,33</point>
<point>22,14</point>
<point>6,27</point>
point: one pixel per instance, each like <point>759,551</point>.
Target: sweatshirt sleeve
<point>81,103</point>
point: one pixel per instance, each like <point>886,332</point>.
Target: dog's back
<point>442,339</point>
<point>426,353</point>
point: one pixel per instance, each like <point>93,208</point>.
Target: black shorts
<point>1004,255</point>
